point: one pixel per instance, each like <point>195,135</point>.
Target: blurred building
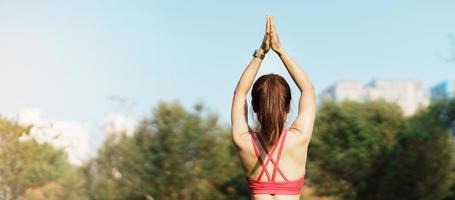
<point>343,89</point>
<point>443,90</point>
<point>410,95</point>
<point>73,137</point>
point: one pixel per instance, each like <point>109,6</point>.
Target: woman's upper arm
<point>239,119</point>
<point>304,121</point>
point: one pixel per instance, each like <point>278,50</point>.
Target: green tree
<point>421,164</point>
<point>368,151</point>
<point>26,164</point>
<point>175,154</point>
<point>68,187</point>
<point>348,143</point>
<point>451,115</point>
<point>116,172</point>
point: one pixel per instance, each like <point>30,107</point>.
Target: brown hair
<point>271,99</point>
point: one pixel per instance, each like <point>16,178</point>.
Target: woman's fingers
<point>272,24</point>
<point>273,32</point>
<point>268,25</point>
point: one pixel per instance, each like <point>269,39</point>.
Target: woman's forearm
<point>298,75</point>
<point>248,76</point>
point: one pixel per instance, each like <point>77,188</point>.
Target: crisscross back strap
<point>269,157</point>
<point>276,162</point>
<point>266,163</point>
<point>277,167</point>
<point>258,155</point>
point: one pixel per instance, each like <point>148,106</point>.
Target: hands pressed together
<point>271,39</point>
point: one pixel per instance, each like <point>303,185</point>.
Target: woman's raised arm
<point>239,109</point>
<point>307,102</point>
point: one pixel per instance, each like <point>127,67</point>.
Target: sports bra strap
<point>269,156</point>
<point>278,159</point>
<point>258,155</point>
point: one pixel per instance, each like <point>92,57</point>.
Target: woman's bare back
<point>292,162</point>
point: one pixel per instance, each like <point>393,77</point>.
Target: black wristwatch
<point>258,54</point>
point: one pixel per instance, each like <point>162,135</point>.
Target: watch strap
<point>258,54</point>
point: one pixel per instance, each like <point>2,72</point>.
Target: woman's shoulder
<point>297,137</point>
<point>242,140</point>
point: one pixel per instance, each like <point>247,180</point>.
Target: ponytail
<point>271,97</point>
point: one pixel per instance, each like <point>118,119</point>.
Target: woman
<point>273,157</point>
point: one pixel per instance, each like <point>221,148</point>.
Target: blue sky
<point>69,58</point>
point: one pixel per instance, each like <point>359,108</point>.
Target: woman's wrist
<point>280,51</point>
<point>259,53</point>
<point>262,50</point>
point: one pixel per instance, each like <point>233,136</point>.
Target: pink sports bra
<point>286,187</point>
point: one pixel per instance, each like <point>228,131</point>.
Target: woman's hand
<point>274,40</point>
<point>265,46</point>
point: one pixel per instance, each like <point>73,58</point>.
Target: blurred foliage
<point>26,164</point>
<point>176,154</point>
<point>358,151</point>
<point>421,164</point>
<point>349,142</point>
<point>369,151</point>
